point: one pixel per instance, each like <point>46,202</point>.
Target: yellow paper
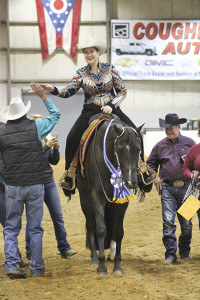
<point>189,207</point>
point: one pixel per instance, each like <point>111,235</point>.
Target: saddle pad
<point>89,134</point>
<point>189,207</point>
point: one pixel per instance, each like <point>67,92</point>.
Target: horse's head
<point>127,147</point>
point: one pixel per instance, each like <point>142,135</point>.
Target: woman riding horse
<point>104,91</point>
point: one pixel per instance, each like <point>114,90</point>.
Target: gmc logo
<point>154,62</point>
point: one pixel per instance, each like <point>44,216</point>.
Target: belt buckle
<point>178,183</point>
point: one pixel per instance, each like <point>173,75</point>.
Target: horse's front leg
<point>117,270</point>
<point>118,234</point>
<point>101,233</point>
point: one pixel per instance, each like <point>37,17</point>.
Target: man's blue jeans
<point>2,207</point>
<point>32,197</point>
<point>171,199</point>
<point>52,200</point>
<point>3,212</point>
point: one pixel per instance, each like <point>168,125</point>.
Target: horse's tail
<point>108,236</point>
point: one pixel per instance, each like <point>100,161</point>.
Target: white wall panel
<point>155,9</point>
<point>161,9</point>
<point>195,9</point>
<point>3,35</point>
<point>146,9</point>
<point>3,5</point>
<point>144,94</point>
<point>3,96</point>
<point>163,93</point>
<point>129,101</point>
<point>28,36</point>
<point>182,9</point>
<point>29,66</point>
<point>183,94</point>
<point>24,37</point>
<point>3,64</point>
<point>22,10</point>
<point>93,10</point>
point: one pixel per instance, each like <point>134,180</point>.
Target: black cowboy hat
<point>170,120</point>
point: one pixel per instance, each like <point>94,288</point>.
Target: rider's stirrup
<point>66,185</point>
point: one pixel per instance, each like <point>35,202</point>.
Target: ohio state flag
<point>58,25</point>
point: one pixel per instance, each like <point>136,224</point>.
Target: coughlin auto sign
<point>160,50</point>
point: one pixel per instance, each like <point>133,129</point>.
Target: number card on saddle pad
<point>189,207</point>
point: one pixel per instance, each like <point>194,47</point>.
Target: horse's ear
<point>118,128</point>
<point>139,128</point>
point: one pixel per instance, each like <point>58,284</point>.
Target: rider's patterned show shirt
<point>105,89</point>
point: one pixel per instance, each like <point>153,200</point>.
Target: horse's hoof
<point>102,271</point>
<point>94,263</point>
<point>117,272</point>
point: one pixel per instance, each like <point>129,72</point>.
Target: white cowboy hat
<point>90,42</point>
<point>16,109</point>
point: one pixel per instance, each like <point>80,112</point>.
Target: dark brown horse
<point>104,218</point>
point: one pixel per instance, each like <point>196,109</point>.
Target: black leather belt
<point>176,183</point>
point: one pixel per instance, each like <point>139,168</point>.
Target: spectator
<point>22,263</point>
<point>51,197</point>
<point>167,154</point>
<point>192,163</point>
<point>23,173</point>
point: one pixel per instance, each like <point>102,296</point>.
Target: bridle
<point>115,143</point>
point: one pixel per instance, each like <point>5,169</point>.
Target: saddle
<point>94,121</point>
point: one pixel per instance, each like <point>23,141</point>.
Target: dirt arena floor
<point>144,277</point>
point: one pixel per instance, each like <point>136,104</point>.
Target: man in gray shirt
<point>168,154</point>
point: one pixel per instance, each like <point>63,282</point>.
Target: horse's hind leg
<point>117,261</point>
<point>94,257</point>
<point>90,226</point>
<point>111,256</point>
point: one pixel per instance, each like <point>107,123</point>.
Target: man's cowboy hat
<point>90,42</point>
<point>16,109</point>
<point>170,120</point>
